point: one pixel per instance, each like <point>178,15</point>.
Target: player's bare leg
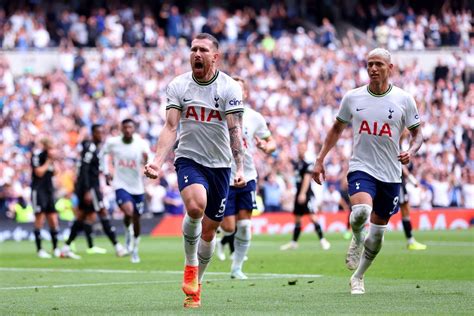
<point>136,238</point>
<point>228,229</point>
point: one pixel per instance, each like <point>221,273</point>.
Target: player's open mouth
<point>198,65</point>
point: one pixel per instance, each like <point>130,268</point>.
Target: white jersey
<point>253,125</point>
<point>378,122</point>
<point>128,162</point>
<point>204,135</point>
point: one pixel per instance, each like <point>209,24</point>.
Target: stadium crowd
<point>297,80</point>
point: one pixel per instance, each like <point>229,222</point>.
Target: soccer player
<point>129,154</point>
<point>42,196</point>
<point>241,201</point>
<point>304,200</point>
<point>207,105</point>
<point>412,244</point>
<point>90,198</point>
<point>379,113</point>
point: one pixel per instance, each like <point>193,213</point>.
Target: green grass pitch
<point>436,281</point>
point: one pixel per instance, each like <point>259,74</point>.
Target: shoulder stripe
<point>239,110</point>
<point>174,106</point>
<point>341,120</point>
<point>414,126</point>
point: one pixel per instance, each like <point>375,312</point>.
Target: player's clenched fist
<point>151,171</point>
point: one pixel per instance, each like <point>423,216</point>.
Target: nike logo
<point>360,109</point>
<point>186,100</point>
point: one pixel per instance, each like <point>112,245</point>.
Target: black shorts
<point>305,208</point>
<point>97,199</point>
<point>42,202</point>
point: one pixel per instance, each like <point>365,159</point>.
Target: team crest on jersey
<point>216,100</point>
<point>390,111</point>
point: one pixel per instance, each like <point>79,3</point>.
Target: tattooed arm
<point>234,122</point>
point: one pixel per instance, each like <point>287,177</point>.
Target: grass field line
<point>76,285</point>
<point>264,275</point>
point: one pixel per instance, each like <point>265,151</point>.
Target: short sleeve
<point>262,130</point>
<point>172,96</point>
<point>412,119</point>
<point>344,115</point>
<point>234,102</point>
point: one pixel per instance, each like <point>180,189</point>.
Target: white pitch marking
<point>270,275</point>
<point>255,276</point>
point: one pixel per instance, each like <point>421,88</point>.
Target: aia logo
<point>203,114</point>
<point>127,163</point>
<point>373,129</point>
<point>390,111</point>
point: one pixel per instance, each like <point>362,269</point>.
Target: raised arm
<point>165,142</point>
<point>331,140</point>
<point>234,123</point>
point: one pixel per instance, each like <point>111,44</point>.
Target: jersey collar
<point>382,94</point>
<point>206,83</point>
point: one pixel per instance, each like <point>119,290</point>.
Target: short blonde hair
<point>382,52</point>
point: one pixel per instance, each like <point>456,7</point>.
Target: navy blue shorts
<point>122,196</point>
<point>241,199</point>
<point>385,195</point>
<point>215,180</point>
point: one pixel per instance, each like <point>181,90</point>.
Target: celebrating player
<point>379,113</point>
<point>90,198</point>
<point>129,153</point>
<point>207,104</point>
<point>241,201</point>
<point>304,201</point>
<point>42,196</point>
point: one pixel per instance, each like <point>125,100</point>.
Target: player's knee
<point>228,228</point>
<point>195,208</point>
<point>360,214</point>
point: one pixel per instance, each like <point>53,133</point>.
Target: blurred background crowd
<point>116,59</point>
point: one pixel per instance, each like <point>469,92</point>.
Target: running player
<point>379,113</point>
<point>129,154</point>
<point>90,198</point>
<point>241,201</point>
<point>207,105</point>
<point>304,200</point>
<point>42,196</point>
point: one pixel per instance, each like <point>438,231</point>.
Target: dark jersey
<point>301,167</point>
<point>88,167</point>
<point>45,182</point>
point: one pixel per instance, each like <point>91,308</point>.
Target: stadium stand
<point>79,67</point>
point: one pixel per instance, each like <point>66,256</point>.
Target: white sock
<point>205,251</point>
<point>372,246</point>
<point>359,215</point>
<point>192,229</point>
<point>242,242</point>
<point>135,242</point>
<point>411,240</point>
